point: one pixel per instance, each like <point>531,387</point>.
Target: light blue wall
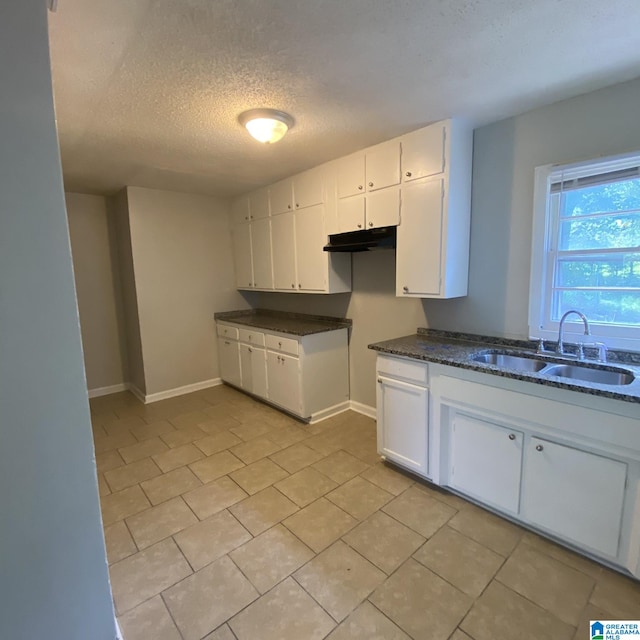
<point>53,573</point>
<point>505,155</point>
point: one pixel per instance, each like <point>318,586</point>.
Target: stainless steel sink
<point>515,363</point>
<point>587,374</point>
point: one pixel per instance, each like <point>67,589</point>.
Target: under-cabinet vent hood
<point>369,240</point>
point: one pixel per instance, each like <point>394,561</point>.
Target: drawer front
<point>285,345</point>
<point>227,331</point>
<point>252,337</point>
<point>417,372</point>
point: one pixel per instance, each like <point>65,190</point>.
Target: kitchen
<point>506,152</point>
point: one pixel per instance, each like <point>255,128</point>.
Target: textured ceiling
<point>148,91</point>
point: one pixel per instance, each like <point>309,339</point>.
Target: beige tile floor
<point>226,519</point>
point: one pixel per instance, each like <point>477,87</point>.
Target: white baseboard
<point>179,391</point>
<point>118,632</point>
<point>136,392</point>
<point>105,391</point>
<point>364,409</point>
<point>330,412</point>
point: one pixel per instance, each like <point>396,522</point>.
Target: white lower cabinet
<point>229,359</point>
<point>307,376</point>
<point>283,372</point>
<point>485,461</point>
<point>253,363</point>
<point>575,494</point>
<point>402,413</point>
<point>560,462</point>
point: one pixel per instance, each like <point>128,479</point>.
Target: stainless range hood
<point>368,240</point>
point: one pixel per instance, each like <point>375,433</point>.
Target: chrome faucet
<point>587,332</point>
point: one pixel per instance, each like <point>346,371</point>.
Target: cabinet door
<point>383,208</point>
<point>351,175</point>
<point>259,371</point>
<point>403,411</point>
<point>229,360</point>
<point>246,371</point>
<point>308,188</point>
<point>311,258</point>
<point>486,461</point>
<point>423,153</point>
<point>281,197</point>
<point>240,210</point>
<point>284,252</point>
<point>283,374</point>
<point>383,165</point>
<point>574,494</point>
<point>418,252</point>
<point>242,256</point>
<point>261,253</point>
<point>259,204</point>
<point>351,214</point>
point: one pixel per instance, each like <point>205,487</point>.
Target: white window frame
<point>543,260</point>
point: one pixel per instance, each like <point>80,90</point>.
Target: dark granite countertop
<point>456,350</point>
<point>297,324</point>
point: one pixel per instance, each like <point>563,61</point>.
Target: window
<point>586,251</point>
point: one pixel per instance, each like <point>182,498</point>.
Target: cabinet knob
<point>408,174</point>
<point>512,436</point>
<point>359,226</point>
<point>288,206</point>
<point>250,217</point>
<point>246,217</point>
<point>360,187</point>
<point>227,343</point>
<point>249,284</point>
<point>250,350</point>
<point>299,286</point>
<point>293,286</point>
<point>539,447</point>
<point>371,184</point>
<point>380,380</point>
<point>371,224</point>
<point>405,289</point>
<point>280,344</point>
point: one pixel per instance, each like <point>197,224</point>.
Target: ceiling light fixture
<point>266,125</point>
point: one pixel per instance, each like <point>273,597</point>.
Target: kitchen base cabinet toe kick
<point>306,376</point>
<point>541,457</point>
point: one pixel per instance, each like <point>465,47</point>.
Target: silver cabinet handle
<point>359,226</point>
<point>280,344</point>
<point>227,343</point>
<point>246,217</point>
<point>539,447</point>
<point>299,286</point>
<point>512,436</point>
<point>405,289</point>
<point>371,184</point>
<point>380,380</point>
<point>371,224</point>
<point>288,206</point>
<point>408,174</point>
<point>250,350</point>
<point>360,187</point>
<point>293,286</point>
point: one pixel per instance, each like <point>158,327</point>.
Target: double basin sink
<point>600,374</point>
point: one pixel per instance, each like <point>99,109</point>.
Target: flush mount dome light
<point>266,125</point>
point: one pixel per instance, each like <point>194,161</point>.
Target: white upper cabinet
<point>423,152</point>
<point>283,237</point>
<point>382,165</point>
<point>240,210</point>
<point>281,197</point>
<point>383,208</point>
<point>242,256</point>
<point>259,204</point>
<point>351,177</point>
<point>432,253</point>
<point>310,258</point>
<point>261,253</point>
<point>418,264</point>
<point>351,214</point>
<point>308,188</point>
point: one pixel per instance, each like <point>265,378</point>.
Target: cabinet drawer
<point>285,345</point>
<point>417,372</point>
<point>227,331</point>
<point>251,337</point>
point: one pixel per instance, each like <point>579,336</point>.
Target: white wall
<point>183,266</point>
<point>506,153</point>
<point>53,571</point>
<point>94,269</point>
